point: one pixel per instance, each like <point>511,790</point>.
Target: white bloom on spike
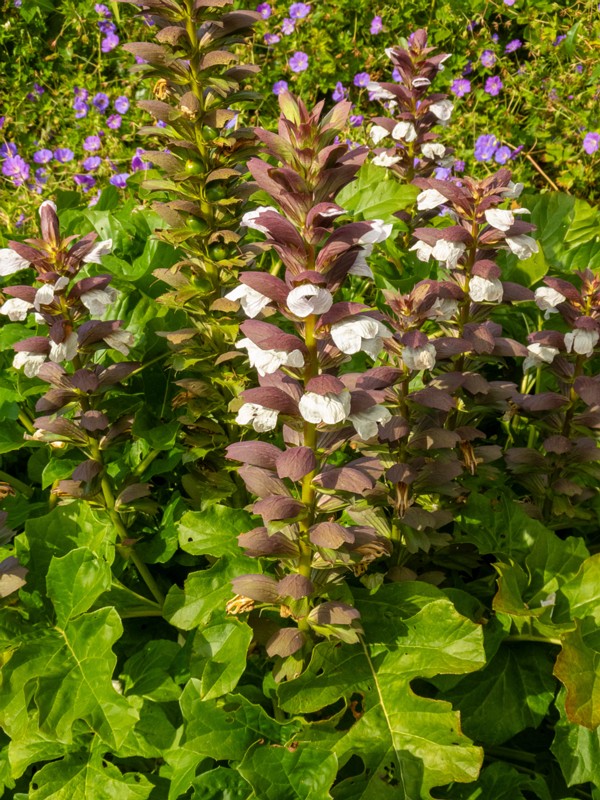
<point>11,262</point>
<point>16,309</point>
<point>513,190</point>
<point>503,219</point>
<point>581,341</point>
<point>418,82</point>
<point>433,150</point>
<point>423,250</point>
<point>378,133</point>
<point>383,160</point>
<point>539,354</point>
<point>389,51</point>
<point>120,341</point>
<point>359,333</point>
<point>360,266</point>
<point>365,422</point>
<point>97,300</point>
<point>419,357</point>
<point>262,419</point>
<point>30,362</point>
<point>249,220</point>
<point>449,252</point>
<point>98,250</point>
<point>547,299</point>
<point>45,294</point>
<point>485,290</point>
<point>443,309</point>
<point>328,408</point>
<point>430,198</point>
<point>404,130</point>
<point>47,203</point>
<point>251,301</point>
<point>442,110</point>
<point>378,232</point>
<point>377,92</point>
<point>309,299</point>
<point>268,361</point>
<point>522,246</point>
<point>64,351</point>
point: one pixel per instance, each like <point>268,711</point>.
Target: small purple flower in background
<point>356,120</point>
<point>560,38</point>
<point>120,180</point>
<point>579,68</point>
<point>460,87</point>
<point>81,93</point>
<point>20,220</point>
<point>513,45</point>
<point>516,151</point>
<point>109,43</point>
<point>63,154</point>
<point>40,175</point>
<point>299,10</point>
<point>264,9</point>
<point>396,76</point>
<point>443,173</point>
<point>17,3</point>
<point>495,38</point>
<point>488,58</point>
<point>502,155</point>
<point>101,9</point>
<point>161,124</point>
<point>591,143</point>
<point>376,26</point>
<point>114,121</point>
<point>459,166</point>
<point>279,87</point>
<point>95,199</point>
<point>8,149</point>
<point>509,2</point>
<point>468,68</point>
<point>17,169</point>
<point>229,126</point>
<point>121,105</point>
<point>91,163</point>
<point>138,60</point>
<point>85,181</point>
<point>107,27</point>
<point>92,143</point>
<point>298,62</point>
<point>43,156</point>
<point>553,94</point>
<point>472,25</point>
<point>101,101</point>
<point>272,38</point>
<point>362,79</point>
<point>340,92</point>
<point>485,147</point>
<point>38,91</point>
<point>137,163</point>
<point>80,107</point>
<point>493,86</point>
<point>288,26</point>
<point>2,122</point>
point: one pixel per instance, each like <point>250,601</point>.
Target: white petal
<point>328,408</point>
<point>267,362</point>
<point>43,296</point>
<point>249,220</point>
<point>47,203</point>
<point>97,300</point>
<point>485,290</point>
<point>251,301</point>
<point>11,262</point>
<point>31,362</point>
<point>378,133</point>
<point>16,309</point>
<point>430,198</point>
<point>262,419</point>
<point>499,218</point>
<point>443,309</point>
<point>365,422</point>
<point>98,250</point>
<point>383,160</point>
<point>417,82</point>
<point>120,341</point>
<point>64,351</point>
<point>547,299</point>
<point>433,150</point>
<point>351,336</point>
<point>309,299</point>
<point>360,266</point>
<point>377,92</point>
<point>581,341</point>
<point>522,246</point>
<point>379,232</point>
<point>404,130</point>
<point>442,109</point>
<point>419,357</point>
<point>423,250</point>
<point>449,252</point>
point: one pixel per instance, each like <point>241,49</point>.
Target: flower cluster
<point>107,28</point>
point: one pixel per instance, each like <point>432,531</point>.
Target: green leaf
<point>578,667</point>
<point>221,784</point>
<point>58,469</point>
<point>74,581</point>
<point>159,435</point>
<point>375,194</point>
<point>218,656</point>
<point>213,531</point>
<point>289,773</point>
<point>149,673</point>
<point>501,781</point>
<point>11,438</point>
<point>582,592</point>
<point>577,749</point>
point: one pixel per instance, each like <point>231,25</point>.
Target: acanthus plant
<point>301,488</point>
<point>82,409</point>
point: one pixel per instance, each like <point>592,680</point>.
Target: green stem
<point>525,637</point>
<point>141,612</point>
<point>16,484</point>
<point>145,463</point>
<point>26,422</point>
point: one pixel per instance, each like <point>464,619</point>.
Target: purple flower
<point>92,143</point>
<point>17,169</point>
<point>137,163</point>
<point>513,45</point>
<point>460,87</point>
<point>109,42</point>
<point>472,25</point>
<point>63,154</point>
<point>2,122</point>
<point>40,175</point>
<point>488,58</point>
<point>272,38</point>
<point>8,149</point>
<point>114,121</point>
<point>91,163</point>
<point>101,101</point>
<point>485,147</point>
<point>591,143</point>
<point>468,68</point>
<point>83,94</point>
<point>107,27</point>
<point>121,105</point>
<point>579,68</point>
<point>356,120</point>
<point>560,38</point>
<point>299,10</point>
<point>493,86</point>
<point>516,151</point>
<point>101,9</point>
<point>264,9</point>
<point>161,124</point>
<point>279,87</point>
<point>288,26</point>
<point>509,2</point>
<point>362,79</point>
<point>442,173</point>
<point>85,181</point>
<point>20,220</point>
<point>340,92</point>
<point>120,180</point>
<point>298,62</point>
<point>459,166</point>
<point>396,76</point>
<point>376,26</point>
<point>42,156</point>
<point>502,155</point>
<point>81,108</point>
<point>495,38</point>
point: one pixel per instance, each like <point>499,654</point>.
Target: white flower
<point>383,160</point>
<point>419,357</point>
<point>268,361</point>
<point>359,333</point>
<point>418,82</point>
<point>97,300</point>
<point>328,408</point>
<point>262,419</point>
<point>31,362</point>
<point>443,309</point>
<point>250,217</point>
<point>430,198</point>
<point>502,219</point>
<point>449,252</point>
<point>433,150</point>
<point>522,246</point>
<point>360,266</point>
<point>251,301</point>
<point>539,354</point>
<point>309,299</point>
<point>11,262</point>
<point>547,299</point>
<point>120,340</point>
<point>16,309</point>
<point>423,250</point>
<point>485,290</point>
<point>379,93</point>
<point>378,232</point>
<point>47,203</point>
<point>442,109</point>
<point>98,250</point>
<point>378,133</point>
<point>365,422</point>
<point>64,351</point>
<point>404,130</point>
<point>513,190</point>
<point>581,341</point>
<point>45,294</point>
